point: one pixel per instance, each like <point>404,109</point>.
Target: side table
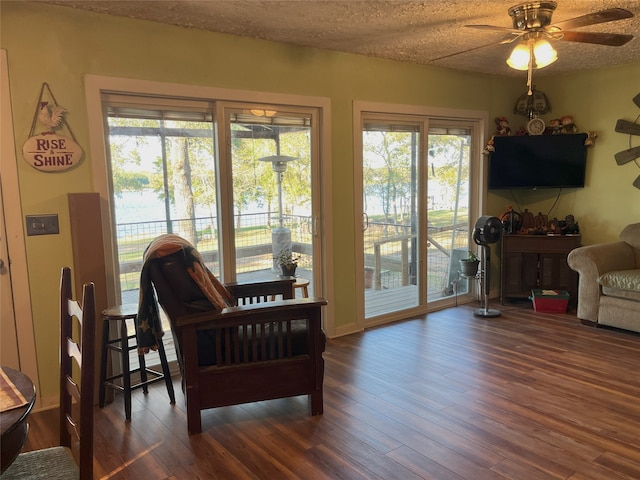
<point>300,283</point>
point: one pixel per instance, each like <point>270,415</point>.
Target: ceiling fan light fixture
<point>544,54</point>
<point>520,56</point>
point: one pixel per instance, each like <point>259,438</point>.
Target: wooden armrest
<point>246,314</point>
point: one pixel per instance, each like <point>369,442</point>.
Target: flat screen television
<point>538,161</point>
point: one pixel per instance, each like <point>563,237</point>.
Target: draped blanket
<point>149,327</point>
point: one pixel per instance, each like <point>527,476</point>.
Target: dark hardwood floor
<point>525,396</point>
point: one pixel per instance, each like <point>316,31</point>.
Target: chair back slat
<point>73,389</point>
<point>75,395</point>
<point>74,309</point>
<point>72,429</point>
<point>73,350</point>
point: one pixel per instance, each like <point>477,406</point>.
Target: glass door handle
<point>313,226</point>
<point>365,221</point>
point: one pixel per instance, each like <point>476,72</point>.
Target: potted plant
<point>288,262</point>
<point>469,265</point>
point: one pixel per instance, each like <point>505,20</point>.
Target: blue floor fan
<point>486,231</point>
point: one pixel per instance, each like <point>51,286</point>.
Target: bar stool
<point>122,345</point>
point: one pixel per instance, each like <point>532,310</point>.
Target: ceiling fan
<point>533,19</point>
<point>533,28</point>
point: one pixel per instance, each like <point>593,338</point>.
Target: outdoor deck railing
<point>388,248</point>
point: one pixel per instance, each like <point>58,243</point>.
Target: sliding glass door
<point>391,156</point>
<point>415,206</point>
<point>242,202</point>
<point>272,190</point>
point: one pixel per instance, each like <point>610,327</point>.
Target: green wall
<point>60,45</point>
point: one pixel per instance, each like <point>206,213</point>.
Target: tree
<point>387,172</point>
<point>127,173</point>
<point>450,157</point>
<point>183,194</point>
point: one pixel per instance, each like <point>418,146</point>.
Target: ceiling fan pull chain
<point>530,70</point>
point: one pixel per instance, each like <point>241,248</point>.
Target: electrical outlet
<point>42,225</point>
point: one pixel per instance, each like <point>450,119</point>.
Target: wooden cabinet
<point>537,261</point>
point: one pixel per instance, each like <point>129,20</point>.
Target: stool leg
<point>103,362</point>
<point>143,373</point>
<point>143,369</point>
<point>165,371</point>
<point>126,372</point>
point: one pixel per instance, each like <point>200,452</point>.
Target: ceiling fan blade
<point>627,156</point>
<point>466,51</point>
<point>625,126</point>
<point>497,29</point>
<point>610,39</point>
<point>602,16</point>
<point>636,183</point>
<point>636,100</point>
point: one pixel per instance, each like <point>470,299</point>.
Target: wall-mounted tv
<point>538,161</point>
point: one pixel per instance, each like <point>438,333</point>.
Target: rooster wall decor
<point>49,151</point>
<point>51,117</point>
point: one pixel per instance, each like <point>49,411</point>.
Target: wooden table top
<point>17,397</point>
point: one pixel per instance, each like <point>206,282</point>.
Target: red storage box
<point>550,301</point>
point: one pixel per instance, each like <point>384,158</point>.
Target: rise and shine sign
<point>48,151</point>
<point>51,152</point>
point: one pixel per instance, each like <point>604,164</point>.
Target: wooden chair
<point>74,458</point>
<point>259,350</point>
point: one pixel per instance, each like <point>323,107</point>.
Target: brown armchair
<point>255,351</point>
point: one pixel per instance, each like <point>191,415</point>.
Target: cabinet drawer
<point>540,243</point>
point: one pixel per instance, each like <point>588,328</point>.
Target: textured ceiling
<point>404,30</point>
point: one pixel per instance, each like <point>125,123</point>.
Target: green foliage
<point>184,173</point>
<point>287,258</point>
<point>387,171</point>
<point>471,257</point>
<point>452,154</point>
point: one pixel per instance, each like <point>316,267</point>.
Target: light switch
<point>42,224</point>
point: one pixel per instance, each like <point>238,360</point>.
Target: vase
<point>469,268</point>
<point>288,270</point>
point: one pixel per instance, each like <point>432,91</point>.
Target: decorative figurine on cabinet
<point>528,221</point>
<point>554,127</point>
<point>502,126</point>
<point>489,147</point>
<point>540,222</point>
<point>567,124</point>
<point>571,226</point>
